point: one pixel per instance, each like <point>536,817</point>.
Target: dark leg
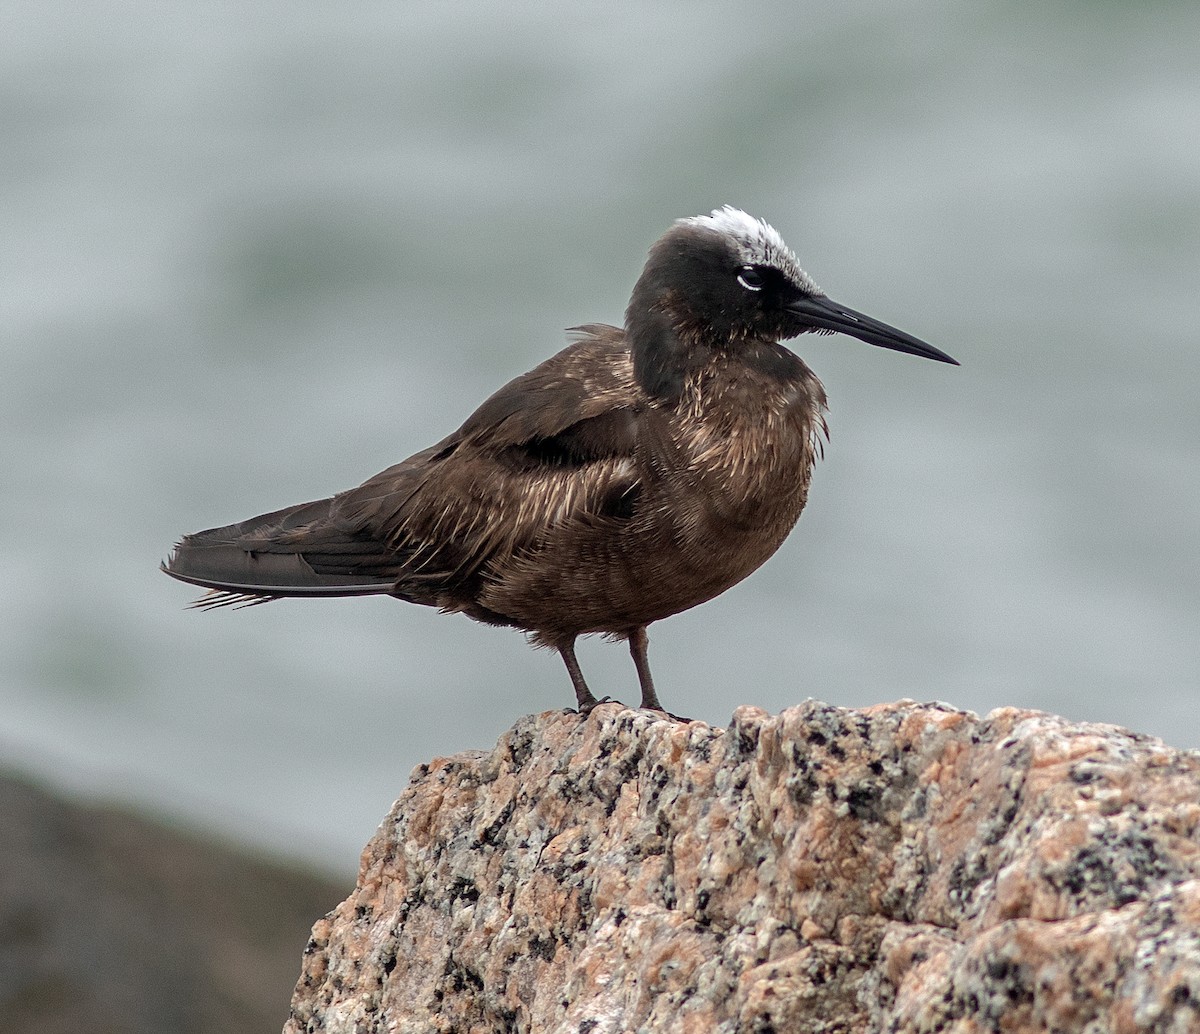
<point>583,696</point>
<point>638,641</point>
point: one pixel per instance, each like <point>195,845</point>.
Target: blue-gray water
<point>251,254</point>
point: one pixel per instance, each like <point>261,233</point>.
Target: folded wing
<point>557,445</point>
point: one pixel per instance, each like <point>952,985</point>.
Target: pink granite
<point>905,868</point>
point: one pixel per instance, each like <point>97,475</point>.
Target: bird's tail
<point>300,551</point>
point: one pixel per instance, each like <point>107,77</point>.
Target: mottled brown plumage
<point>637,473</point>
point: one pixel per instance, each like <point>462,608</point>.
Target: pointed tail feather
<point>299,551</point>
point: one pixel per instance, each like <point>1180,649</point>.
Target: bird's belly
<point>676,551</point>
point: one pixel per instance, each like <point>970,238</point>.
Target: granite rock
<point>905,867</point>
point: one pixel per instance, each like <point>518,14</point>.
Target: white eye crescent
<point>750,278</point>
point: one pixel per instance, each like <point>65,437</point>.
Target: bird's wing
<point>556,445</point>
<point>592,378</point>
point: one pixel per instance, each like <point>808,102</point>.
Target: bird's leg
<point>583,696</point>
<point>638,641</point>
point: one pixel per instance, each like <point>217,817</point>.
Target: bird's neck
<point>662,359</point>
<point>672,358</point>
<point>665,350</point>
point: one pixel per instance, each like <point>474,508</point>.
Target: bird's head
<point>714,281</point>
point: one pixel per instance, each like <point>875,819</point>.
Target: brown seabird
<point>639,472</point>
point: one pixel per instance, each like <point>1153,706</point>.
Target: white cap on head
<point>758,243</point>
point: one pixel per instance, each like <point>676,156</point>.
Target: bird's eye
<point>750,278</point>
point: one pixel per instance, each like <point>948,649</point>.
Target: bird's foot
<point>650,700</point>
<point>667,714</point>
<point>586,707</point>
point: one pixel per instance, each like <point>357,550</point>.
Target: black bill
<point>822,313</point>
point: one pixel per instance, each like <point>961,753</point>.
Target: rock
<point>901,868</point>
<point>114,923</point>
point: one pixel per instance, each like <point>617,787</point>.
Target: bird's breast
<point>717,483</point>
<point>748,448</point>
<point>734,482</point>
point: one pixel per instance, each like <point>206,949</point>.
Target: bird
<point>639,472</point>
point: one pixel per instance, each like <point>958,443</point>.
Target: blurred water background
<point>252,254</point>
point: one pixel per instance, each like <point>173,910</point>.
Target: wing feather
<point>552,446</point>
<point>556,445</point>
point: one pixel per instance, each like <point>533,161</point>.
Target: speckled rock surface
<point>902,868</point>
